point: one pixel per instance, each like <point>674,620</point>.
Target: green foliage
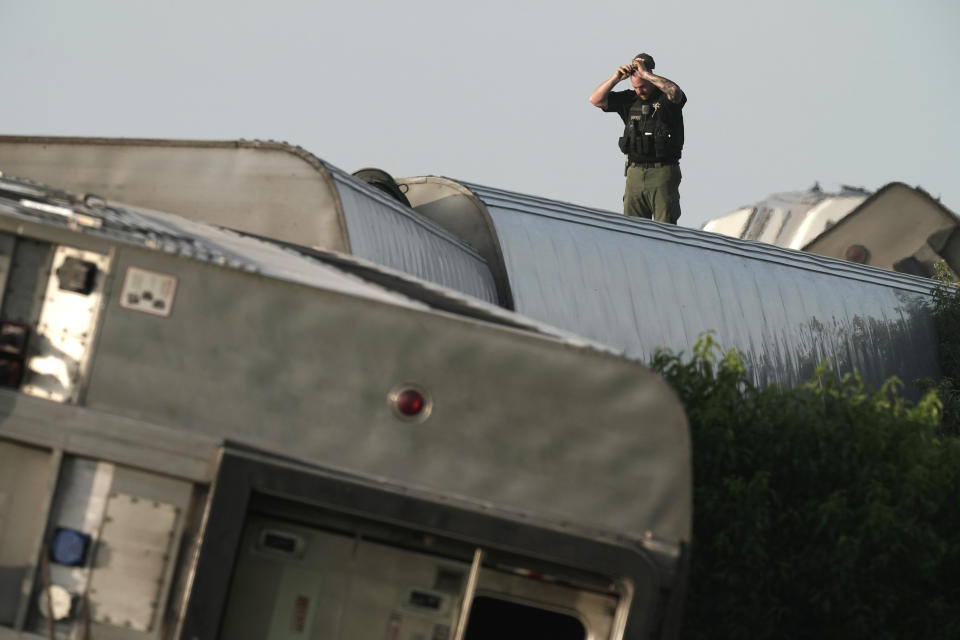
<point>827,511</point>
<point>946,318</point>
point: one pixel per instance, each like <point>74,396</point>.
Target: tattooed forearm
<point>672,91</point>
<point>669,88</point>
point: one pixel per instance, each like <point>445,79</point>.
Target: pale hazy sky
<point>781,94</point>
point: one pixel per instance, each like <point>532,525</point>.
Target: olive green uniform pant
<point>653,193</point>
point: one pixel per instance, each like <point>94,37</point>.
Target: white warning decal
<point>148,291</point>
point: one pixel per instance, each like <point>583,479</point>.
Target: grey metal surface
<point>385,232</point>
<point>549,429</point>
<point>460,213</point>
<point>283,351</point>
<point>24,483</point>
<point>266,188</point>
<point>7,246</point>
<point>97,434</point>
<point>638,285</point>
<point>29,267</point>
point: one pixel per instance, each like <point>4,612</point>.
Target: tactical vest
<point>648,136</point>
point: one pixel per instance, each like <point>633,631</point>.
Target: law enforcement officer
<point>652,138</point>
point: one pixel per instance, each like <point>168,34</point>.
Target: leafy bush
<point>946,318</point>
<point>827,511</point>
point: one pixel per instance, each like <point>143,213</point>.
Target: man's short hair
<point>647,60</point>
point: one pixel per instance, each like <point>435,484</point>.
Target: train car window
<point>495,619</point>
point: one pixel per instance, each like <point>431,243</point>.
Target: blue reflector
<point>69,547</point>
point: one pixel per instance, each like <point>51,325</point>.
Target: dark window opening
<point>494,619</point>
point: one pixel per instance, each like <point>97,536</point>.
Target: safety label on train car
<point>148,291</point>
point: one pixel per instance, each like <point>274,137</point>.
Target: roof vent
<point>383,181</point>
<point>857,253</point>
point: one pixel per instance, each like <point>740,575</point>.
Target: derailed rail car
<point>635,285</point>
<point>642,285</point>
<point>204,434</point>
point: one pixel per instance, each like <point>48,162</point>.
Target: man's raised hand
<point>624,72</point>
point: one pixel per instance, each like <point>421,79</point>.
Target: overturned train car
<point>204,435</point>
<point>632,284</point>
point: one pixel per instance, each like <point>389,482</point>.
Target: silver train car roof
<point>640,285</point>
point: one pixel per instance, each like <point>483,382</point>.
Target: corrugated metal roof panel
<point>393,235</point>
<point>639,285</point>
